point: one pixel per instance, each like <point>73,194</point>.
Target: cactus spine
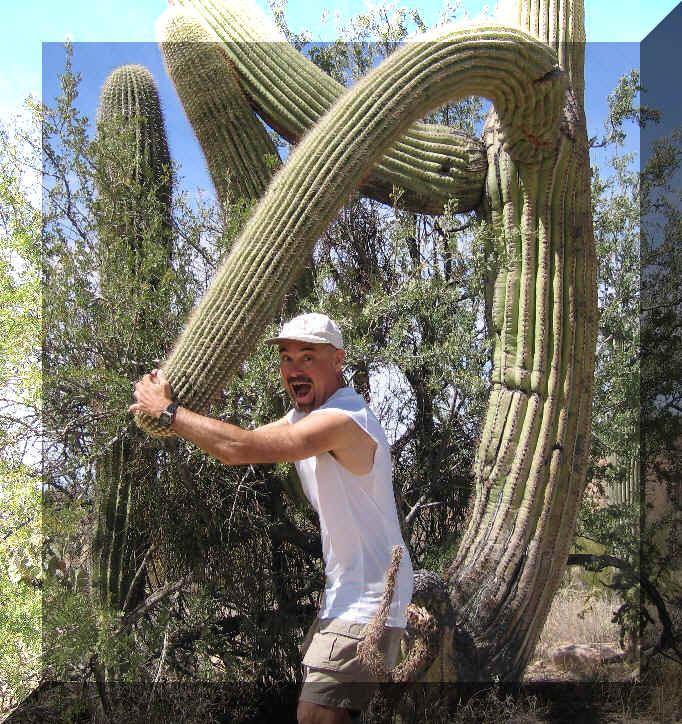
<point>127,183</point>
<point>431,163</point>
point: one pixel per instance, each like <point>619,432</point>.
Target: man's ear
<point>340,357</point>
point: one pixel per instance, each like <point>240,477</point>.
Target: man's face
<point>310,372</point>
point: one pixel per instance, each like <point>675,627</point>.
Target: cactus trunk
<point>119,542</point>
<point>531,462</point>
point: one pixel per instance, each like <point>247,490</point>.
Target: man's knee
<point>309,713</point>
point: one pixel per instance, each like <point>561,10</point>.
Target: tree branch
<point>151,602</point>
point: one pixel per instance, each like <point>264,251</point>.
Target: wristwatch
<point>168,415</point>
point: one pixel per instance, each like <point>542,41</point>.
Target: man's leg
<point>337,687</point>
<point>309,713</point>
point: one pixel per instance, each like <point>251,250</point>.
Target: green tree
<point>20,520</point>
<point>632,452</point>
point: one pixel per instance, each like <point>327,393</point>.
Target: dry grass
<point>661,682</point>
<point>578,616</point>
<point>577,633</point>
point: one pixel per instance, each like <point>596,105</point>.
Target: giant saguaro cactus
<point>530,466</point>
<point>129,183</point>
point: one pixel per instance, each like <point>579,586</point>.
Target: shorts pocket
<point>332,650</point>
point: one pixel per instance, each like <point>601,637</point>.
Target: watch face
<point>166,417</point>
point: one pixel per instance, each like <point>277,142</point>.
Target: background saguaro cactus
<point>530,466</point>
<point>134,190</point>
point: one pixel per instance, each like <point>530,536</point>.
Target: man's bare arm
<point>314,435</point>
<point>276,442</point>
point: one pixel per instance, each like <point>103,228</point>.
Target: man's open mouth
<point>301,389</point>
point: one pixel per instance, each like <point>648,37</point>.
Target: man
<point>344,462</point>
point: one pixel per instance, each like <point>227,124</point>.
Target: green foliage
<point>635,425</point>
<point>20,582</point>
<point>21,575</point>
<point>622,108</point>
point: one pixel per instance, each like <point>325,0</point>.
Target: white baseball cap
<point>315,328</point>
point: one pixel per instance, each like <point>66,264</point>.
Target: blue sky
<point>108,34</point>
<point>31,22</point>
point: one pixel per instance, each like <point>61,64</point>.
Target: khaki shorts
<point>334,675</point>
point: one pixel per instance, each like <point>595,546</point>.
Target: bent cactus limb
<point>328,165</point>
<point>240,155</point>
<point>433,164</point>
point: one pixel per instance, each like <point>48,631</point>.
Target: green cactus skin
<point>119,540</point>
<point>431,163</point>
<point>239,153</point>
<point>627,490</point>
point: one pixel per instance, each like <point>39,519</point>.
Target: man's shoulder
<point>348,401</point>
<point>345,398</point>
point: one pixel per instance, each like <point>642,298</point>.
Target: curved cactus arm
<point>239,153</point>
<point>516,72</point>
<point>560,24</point>
<point>431,163</point>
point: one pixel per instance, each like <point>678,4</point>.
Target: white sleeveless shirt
<point>358,522</point>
